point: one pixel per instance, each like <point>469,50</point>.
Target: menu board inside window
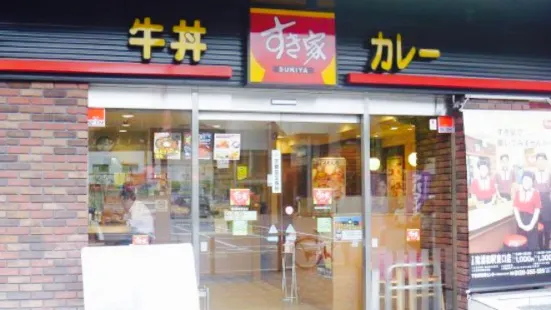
<point>509,187</point>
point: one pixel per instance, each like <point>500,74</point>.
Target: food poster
<point>322,196</point>
<point>167,145</point>
<point>509,203</point>
<point>227,146</point>
<point>188,149</point>
<point>330,172</point>
<point>395,181</point>
<point>205,146</point>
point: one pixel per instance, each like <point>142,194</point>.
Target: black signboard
<point>495,270</point>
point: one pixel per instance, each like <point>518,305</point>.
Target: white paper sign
<point>276,172</point>
<point>140,277</point>
<point>231,215</point>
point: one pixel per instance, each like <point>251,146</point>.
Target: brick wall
<point>437,219</point>
<point>43,194</point>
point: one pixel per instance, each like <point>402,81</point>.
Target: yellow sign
<point>242,172</point>
<point>189,39</point>
<point>402,61</point>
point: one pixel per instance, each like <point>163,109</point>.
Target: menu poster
<point>227,146</point>
<point>509,198</point>
<point>167,145</point>
<point>188,149</point>
<point>330,172</point>
<point>240,197</point>
<point>205,146</point>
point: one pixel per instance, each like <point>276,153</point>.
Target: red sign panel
<point>96,117</point>
<point>323,196</point>
<point>292,47</point>
<point>240,197</point>
<point>446,124</point>
<point>140,239</point>
<point>413,235</point>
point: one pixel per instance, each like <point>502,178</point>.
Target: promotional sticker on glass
<point>322,196</point>
<point>240,197</point>
<point>348,228</point>
<point>509,187</point>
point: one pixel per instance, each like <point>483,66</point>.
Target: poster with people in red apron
<point>509,203</point>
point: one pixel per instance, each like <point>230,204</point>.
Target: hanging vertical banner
<point>509,203</point>
<point>276,172</point>
<point>292,47</point>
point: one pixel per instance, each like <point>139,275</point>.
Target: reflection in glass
<point>139,178</point>
<point>315,207</point>
<point>411,213</point>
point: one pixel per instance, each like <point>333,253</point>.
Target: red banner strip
<point>448,82</point>
<point>113,68</point>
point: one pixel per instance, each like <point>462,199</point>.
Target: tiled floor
<point>245,294</point>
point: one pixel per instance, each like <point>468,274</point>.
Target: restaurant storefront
<point>273,140</point>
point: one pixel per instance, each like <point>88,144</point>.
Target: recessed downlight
<point>127,115</point>
<point>123,130</point>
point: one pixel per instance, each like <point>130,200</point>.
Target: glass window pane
<point>411,207</point>
<point>139,178</point>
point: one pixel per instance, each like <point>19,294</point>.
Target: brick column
<point>437,212</point>
<point>43,194</point>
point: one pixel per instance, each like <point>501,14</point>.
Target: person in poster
<point>505,178</point>
<point>526,207</point>
<point>543,185</point>
<point>483,188</point>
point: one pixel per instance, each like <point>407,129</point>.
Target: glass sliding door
<point>281,211</point>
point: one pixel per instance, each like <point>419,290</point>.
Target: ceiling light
<point>410,128</point>
<point>216,126</point>
<point>127,115</point>
<point>374,164</point>
<point>125,124</point>
<point>123,130</point>
<point>393,128</point>
<point>280,137</point>
<point>412,159</point>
